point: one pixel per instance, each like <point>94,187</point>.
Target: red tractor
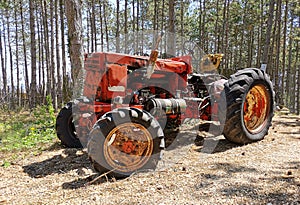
<point>129,102</point>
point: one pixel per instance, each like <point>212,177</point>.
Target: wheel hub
<point>256,108</point>
<point>128,147</point>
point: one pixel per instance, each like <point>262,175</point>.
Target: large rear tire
<point>124,141</point>
<point>250,106</point>
<point>65,128</point>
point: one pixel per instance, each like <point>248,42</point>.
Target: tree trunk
<point>171,37</point>
<point>265,56</point>
<point>39,56</point>
<point>106,27</point>
<point>17,54</point>
<point>12,86</point>
<point>142,29</point>
<point>43,53</point>
<point>47,47</point>
<point>289,81</point>
<point>182,26</point>
<point>88,34</point>
<point>118,27</point>
<point>155,15</point>
<point>58,97</point>
<point>101,24</point>
<point>125,27</point>
<point>65,90</point>
<point>277,71</point>
<point>297,67</point>
<point>74,19</point>
<point>52,53</point>
<point>33,54</point>
<point>260,31</point>
<point>137,26</point>
<point>298,79</point>
<point>282,90</point>
<point>294,75</point>
<point>133,26</point>
<point>24,49</point>
<point>3,68</point>
<point>226,59</point>
<point>162,27</point>
<point>5,57</point>
<point>250,47</point>
<point>94,28</point>
<point>203,39</point>
<point>217,32</point>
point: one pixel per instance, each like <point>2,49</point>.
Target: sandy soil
<point>208,171</point>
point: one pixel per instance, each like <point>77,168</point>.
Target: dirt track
<point>266,172</point>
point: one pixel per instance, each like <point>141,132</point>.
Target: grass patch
<point>24,130</point>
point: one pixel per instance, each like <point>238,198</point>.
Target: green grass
<point>25,131</point>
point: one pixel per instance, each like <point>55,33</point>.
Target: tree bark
<point>12,86</point>
<point>101,25</point>
<point>217,32</point>
<point>94,28</point>
<point>284,74</point>
<point>17,53</point>
<point>33,54</point>
<point>265,56</point>
<point>3,66</point>
<point>52,56</point>
<point>118,27</point>
<point>162,26</point>
<point>58,94</point>
<point>171,36</point>
<point>63,53</point>
<point>106,27</point>
<point>125,27</point>
<point>137,26</point>
<point>24,50</point>
<point>277,70</point>
<point>297,67</point>
<point>260,31</point>
<point>181,26</point>
<point>74,19</point>
<point>289,67</point>
<point>39,56</point>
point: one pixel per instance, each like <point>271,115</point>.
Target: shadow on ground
<point>250,188</point>
<point>82,182</point>
<point>70,159</point>
<point>288,120</point>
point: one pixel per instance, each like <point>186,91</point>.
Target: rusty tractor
<point>129,102</point>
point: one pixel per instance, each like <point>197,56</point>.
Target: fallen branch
<point>99,177</point>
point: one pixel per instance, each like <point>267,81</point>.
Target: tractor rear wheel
<point>124,141</point>
<point>250,106</point>
<point>65,127</point>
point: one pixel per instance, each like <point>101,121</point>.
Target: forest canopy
<point>35,45</point>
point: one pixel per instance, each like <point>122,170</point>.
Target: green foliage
<point>6,164</point>
<point>27,130</point>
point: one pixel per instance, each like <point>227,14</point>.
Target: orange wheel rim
<point>256,108</point>
<point>128,147</point>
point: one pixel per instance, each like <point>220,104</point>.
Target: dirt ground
<point>208,171</point>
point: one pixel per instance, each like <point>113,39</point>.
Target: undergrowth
<point>27,130</point>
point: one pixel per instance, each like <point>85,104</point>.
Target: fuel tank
<point>159,106</point>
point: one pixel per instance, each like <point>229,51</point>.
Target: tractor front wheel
<point>124,141</point>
